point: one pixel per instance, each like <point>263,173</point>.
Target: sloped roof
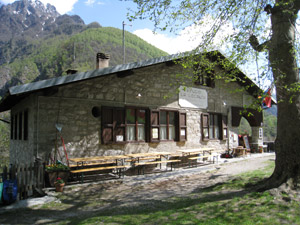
<point>17,93</point>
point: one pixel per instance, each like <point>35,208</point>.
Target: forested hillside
<point>52,56</point>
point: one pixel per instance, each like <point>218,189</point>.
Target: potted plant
<point>59,184</point>
<point>53,171</point>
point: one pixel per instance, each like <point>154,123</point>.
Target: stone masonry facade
<point>71,106</point>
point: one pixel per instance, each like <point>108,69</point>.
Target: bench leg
<point>81,178</point>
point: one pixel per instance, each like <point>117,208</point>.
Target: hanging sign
<point>193,97</point>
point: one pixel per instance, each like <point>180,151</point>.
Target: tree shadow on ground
<point>80,205</point>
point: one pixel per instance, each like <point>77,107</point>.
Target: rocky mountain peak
<point>31,18</point>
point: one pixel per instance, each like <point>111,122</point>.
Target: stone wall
<point>24,151</point>
<point>71,107</point>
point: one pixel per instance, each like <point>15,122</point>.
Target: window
<point>204,76</point>
<point>113,125</point>
<point>135,124</point>
<point>123,124</point>
<point>168,126</point>
<point>214,126</point>
<point>19,126</point>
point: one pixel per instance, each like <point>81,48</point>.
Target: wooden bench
<point>142,159</point>
<point>91,164</point>
<point>155,162</point>
<point>120,170</point>
<point>213,155</point>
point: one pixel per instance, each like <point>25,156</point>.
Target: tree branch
<point>255,44</point>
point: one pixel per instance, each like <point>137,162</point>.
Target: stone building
<point>137,107</point>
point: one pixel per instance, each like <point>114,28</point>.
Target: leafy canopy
<point>236,20</point>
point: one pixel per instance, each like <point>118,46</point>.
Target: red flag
<point>267,101</point>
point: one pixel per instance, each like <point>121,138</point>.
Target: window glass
<point>225,133</point>
<point>163,133</point>
<point>205,132</point>
<point>130,116</point>
<point>211,132</point>
<point>172,118</point>
<point>163,117</point>
<point>215,127</point>
<point>141,132</point>
<point>141,117</point>
<point>130,132</point>
<point>171,132</point>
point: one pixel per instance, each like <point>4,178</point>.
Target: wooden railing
<point>29,177</point>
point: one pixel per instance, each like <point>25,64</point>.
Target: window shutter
<point>205,126</point>
<point>154,126</point>
<point>182,127</point>
<point>119,125</point>
<point>107,125</point>
<point>224,127</point>
<point>26,125</point>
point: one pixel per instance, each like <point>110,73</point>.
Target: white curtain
<point>163,133</point>
<point>171,132</point>
<point>130,133</point>
<point>141,132</point>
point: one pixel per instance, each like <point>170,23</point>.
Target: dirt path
<point>87,199</point>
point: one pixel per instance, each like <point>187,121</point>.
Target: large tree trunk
<point>286,74</point>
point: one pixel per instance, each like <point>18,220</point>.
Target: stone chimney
<point>102,60</point>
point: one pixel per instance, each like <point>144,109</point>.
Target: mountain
<point>24,21</point>
<point>33,19</point>
<point>36,43</point>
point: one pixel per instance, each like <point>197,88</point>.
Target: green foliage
<point>245,127</point>
<point>57,167</point>
<point>52,56</point>
<point>4,140</point>
<point>270,127</point>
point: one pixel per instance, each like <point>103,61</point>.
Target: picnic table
<point>198,154</point>
<point>97,164</point>
<point>150,158</point>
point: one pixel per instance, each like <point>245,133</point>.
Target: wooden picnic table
<point>104,159</point>
<point>151,158</point>
<point>195,151</point>
<point>99,163</point>
<point>148,155</point>
<point>193,155</point>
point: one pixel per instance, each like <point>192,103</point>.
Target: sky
<point>112,13</point>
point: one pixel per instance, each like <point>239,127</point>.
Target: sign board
<point>193,97</point>
<point>119,138</point>
<point>246,142</point>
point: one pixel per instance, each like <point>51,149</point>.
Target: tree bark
<point>282,59</point>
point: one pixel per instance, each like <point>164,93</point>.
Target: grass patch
<point>226,203</point>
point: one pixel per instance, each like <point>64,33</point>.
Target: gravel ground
<point>86,199</point>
